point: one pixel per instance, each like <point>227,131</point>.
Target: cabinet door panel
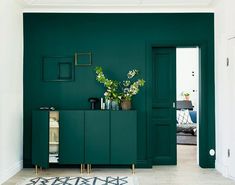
<point>97,149</point>
<point>40,138</point>
<point>71,143</point>
<point>123,137</point>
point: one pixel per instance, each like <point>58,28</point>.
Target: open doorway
<point>187,104</point>
<point>161,104</point>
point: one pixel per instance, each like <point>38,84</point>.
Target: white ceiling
<point>161,3</point>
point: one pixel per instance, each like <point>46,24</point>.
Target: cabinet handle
<point>173,105</point>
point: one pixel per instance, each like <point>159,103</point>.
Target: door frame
<point>206,97</point>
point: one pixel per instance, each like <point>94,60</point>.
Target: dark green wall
<point>118,43</point>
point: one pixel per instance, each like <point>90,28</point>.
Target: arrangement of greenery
<point>118,91</point>
<point>111,85</point>
<point>130,87</point>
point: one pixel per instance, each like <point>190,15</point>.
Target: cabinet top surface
<point>85,110</point>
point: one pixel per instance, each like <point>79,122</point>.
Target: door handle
<point>173,105</point>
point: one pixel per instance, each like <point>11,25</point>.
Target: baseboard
<point>143,164</point>
<point>221,168</point>
<point>11,171</point>
<point>231,177</point>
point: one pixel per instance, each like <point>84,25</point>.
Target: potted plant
<point>130,88</point>
<point>186,96</point>
<point>112,97</point>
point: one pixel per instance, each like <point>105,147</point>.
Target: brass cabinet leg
<point>81,169</point>
<point>88,168</point>
<point>84,167</point>
<point>133,168</point>
<point>36,169</point>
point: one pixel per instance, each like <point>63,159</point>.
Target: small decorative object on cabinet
<point>108,104</point>
<point>102,104</point>
<point>126,104</point>
<point>93,102</point>
<point>115,105</point>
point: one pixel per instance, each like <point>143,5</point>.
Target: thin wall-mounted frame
<point>83,59</point>
<point>58,69</point>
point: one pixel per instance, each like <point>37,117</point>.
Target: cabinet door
<point>97,150</point>
<point>123,137</point>
<point>40,138</point>
<point>71,143</point>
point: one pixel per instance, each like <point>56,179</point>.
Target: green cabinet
<point>40,138</point>
<point>97,138</point>
<point>71,147</point>
<point>86,137</point>
<point>123,137</point>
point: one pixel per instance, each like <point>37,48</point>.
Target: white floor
<point>185,173</point>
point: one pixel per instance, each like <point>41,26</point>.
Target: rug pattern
<point>79,181</point>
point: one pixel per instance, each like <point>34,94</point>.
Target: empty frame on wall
<point>57,69</point>
<point>60,68</point>
<point>83,59</point>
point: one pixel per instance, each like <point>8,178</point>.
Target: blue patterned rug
<point>80,181</point>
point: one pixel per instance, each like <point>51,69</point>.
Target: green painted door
<point>71,147</point>
<point>123,137</point>
<point>163,105</point>
<point>97,141</point>
<point>40,138</point>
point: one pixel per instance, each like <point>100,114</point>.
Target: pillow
<point>183,117</point>
<point>193,116</point>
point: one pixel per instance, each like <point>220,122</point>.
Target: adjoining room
<point>187,104</point>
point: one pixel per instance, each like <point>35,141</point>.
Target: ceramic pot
<point>126,105</point>
<point>187,98</point>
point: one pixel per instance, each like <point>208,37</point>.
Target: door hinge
<point>229,153</point>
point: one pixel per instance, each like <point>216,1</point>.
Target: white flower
<point>132,73</point>
<point>126,90</point>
